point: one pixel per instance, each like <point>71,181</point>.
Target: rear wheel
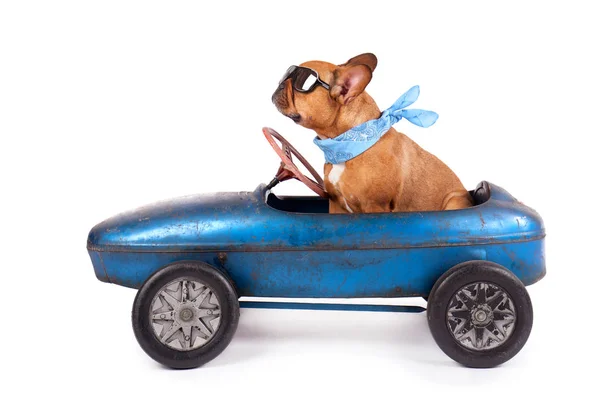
<point>185,314</point>
<point>479,314</point>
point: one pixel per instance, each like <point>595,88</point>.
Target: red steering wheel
<point>287,168</point>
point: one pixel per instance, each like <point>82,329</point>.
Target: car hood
<point>184,222</point>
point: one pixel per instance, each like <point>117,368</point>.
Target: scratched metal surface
<point>267,252</point>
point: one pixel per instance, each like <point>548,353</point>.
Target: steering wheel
<point>287,168</point>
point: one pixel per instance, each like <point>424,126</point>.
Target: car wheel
<point>185,314</point>
<point>479,314</point>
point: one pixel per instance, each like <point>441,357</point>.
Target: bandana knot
<point>360,138</point>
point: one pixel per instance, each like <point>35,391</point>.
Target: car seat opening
<point>319,205</point>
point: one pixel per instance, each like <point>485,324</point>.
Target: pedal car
<point>192,258</point>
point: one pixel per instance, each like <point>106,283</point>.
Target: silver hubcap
<point>185,314</point>
<point>481,316</point>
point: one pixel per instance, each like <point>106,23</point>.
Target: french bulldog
<point>393,175</point>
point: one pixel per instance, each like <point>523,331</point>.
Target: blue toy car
<point>192,258</point>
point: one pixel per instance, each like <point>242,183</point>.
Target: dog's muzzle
<point>278,94</point>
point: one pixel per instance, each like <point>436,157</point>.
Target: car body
<point>271,246</point>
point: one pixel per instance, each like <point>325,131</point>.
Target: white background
<point>106,106</point>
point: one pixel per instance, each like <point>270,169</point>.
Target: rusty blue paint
<point>273,253</point>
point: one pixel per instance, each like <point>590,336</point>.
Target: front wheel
<point>479,314</point>
<point>185,314</point>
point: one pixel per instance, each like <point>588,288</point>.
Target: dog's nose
<point>276,93</point>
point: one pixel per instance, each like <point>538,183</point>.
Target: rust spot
<point>222,257</point>
<point>395,291</point>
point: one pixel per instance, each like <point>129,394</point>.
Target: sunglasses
<point>304,79</point>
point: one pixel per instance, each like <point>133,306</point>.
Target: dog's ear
<point>351,78</point>
<point>367,59</point>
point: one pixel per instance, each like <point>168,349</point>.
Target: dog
<point>395,174</point>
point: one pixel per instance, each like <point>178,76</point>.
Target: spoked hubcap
<point>481,316</point>
<point>185,314</point>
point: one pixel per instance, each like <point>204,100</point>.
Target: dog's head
<point>316,93</point>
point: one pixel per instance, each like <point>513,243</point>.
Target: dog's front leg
<point>335,208</point>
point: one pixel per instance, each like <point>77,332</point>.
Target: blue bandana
<point>360,138</point>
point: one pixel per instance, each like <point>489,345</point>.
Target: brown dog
<point>395,174</point>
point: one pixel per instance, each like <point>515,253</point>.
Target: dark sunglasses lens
<point>305,79</point>
<point>287,74</point>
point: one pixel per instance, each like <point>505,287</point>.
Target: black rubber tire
<point>230,313</point>
<point>470,272</point>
